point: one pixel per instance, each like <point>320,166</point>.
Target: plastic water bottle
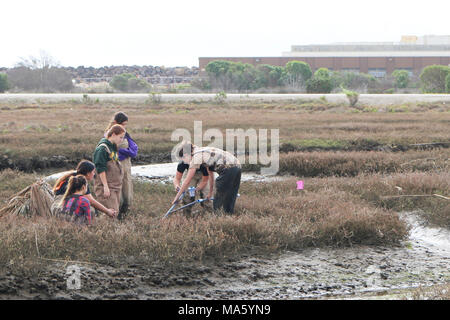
<point>191,191</point>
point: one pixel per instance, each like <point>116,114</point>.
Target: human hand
<point>106,192</point>
<point>111,213</point>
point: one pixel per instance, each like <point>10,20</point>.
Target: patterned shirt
<point>215,159</point>
<point>79,208</point>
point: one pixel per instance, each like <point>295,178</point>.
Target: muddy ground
<point>346,273</point>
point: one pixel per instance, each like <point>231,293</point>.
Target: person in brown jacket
<point>109,172</point>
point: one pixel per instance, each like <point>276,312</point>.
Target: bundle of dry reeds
<point>36,199</point>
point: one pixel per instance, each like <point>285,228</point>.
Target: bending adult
<point>215,160</point>
<point>199,181</point>
<point>128,149</point>
<point>109,177</point>
<point>87,169</point>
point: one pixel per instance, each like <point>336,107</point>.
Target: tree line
<point>43,74</point>
<point>297,75</point>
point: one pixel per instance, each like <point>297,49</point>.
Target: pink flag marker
<point>300,185</point>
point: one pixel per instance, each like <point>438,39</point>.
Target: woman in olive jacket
<point>109,176</point>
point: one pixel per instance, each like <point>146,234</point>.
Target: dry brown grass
<point>382,191</point>
<point>322,164</point>
<point>437,292</point>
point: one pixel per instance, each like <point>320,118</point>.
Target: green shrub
<point>319,85</point>
<point>297,73</point>
<point>401,78</point>
<point>352,96</point>
<point>322,73</point>
<point>433,78</point>
<point>268,76</point>
<point>352,80</point>
<point>4,85</point>
<point>228,75</point>
<point>127,82</point>
<point>447,83</point>
<point>220,97</point>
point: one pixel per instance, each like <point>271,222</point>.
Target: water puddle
<point>435,239</point>
<point>165,173</point>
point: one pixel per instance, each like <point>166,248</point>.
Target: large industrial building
<point>412,53</point>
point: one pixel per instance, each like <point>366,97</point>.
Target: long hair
<point>83,168</point>
<point>118,118</point>
<point>76,183</point>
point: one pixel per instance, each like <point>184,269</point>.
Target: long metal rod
<point>191,204</point>
<point>173,206</point>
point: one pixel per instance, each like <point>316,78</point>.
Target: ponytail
<point>83,168</point>
<point>75,184</point>
<point>62,179</point>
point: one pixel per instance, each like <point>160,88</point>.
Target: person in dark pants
<point>215,160</point>
<point>227,187</point>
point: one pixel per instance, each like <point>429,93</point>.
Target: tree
<point>322,73</point>
<point>218,71</point>
<point>320,83</point>
<point>352,80</point>
<point>297,73</point>
<point>243,76</point>
<point>4,85</point>
<point>401,78</point>
<point>127,82</point>
<point>268,75</point>
<point>44,61</point>
<point>433,78</point>
<point>120,82</point>
<point>42,73</point>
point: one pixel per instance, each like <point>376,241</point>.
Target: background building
<point>412,53</point>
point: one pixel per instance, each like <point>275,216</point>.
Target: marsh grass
<point>30,134</point>
<point>327,213</point>
<point>436,292</point>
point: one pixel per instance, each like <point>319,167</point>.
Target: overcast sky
<point>175,33</point>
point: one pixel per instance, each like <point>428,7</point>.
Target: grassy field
<point>355,173</point>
